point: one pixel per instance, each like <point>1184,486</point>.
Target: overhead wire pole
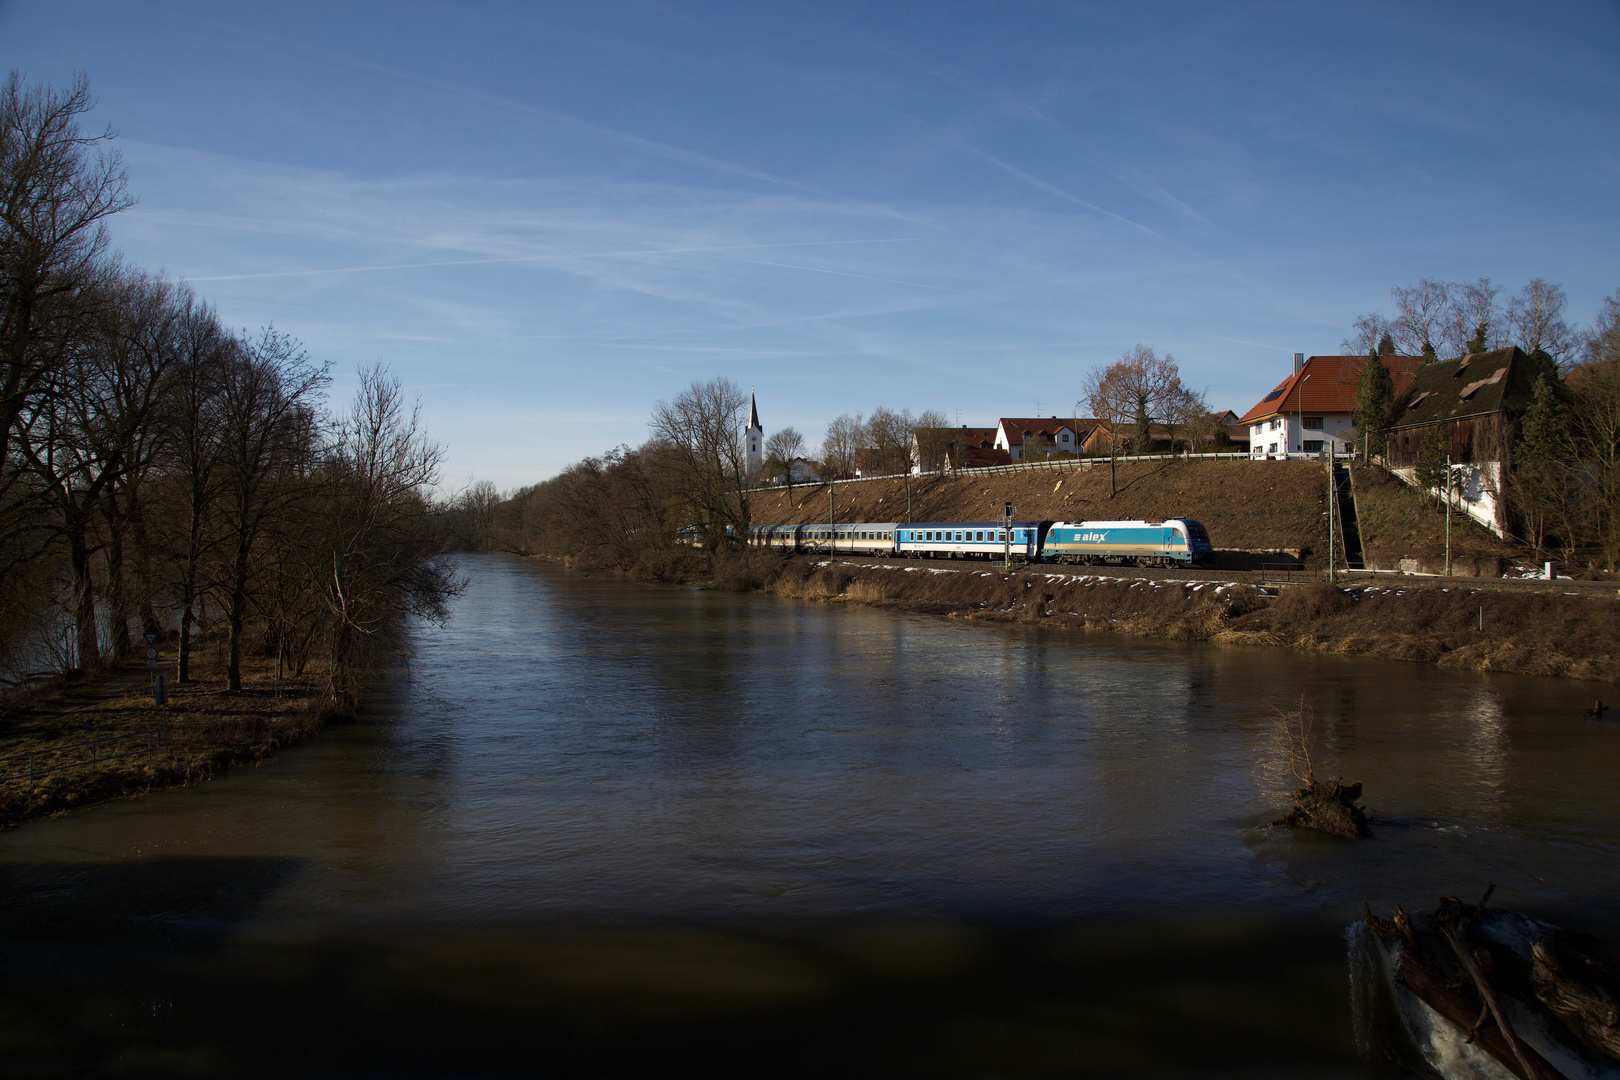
<point>1006,532</point>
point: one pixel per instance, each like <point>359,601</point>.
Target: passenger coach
<point>856,538</point>
<point>971,539</point>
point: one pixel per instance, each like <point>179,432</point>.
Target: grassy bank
<point>209,730</point>
<point>1532,634</point>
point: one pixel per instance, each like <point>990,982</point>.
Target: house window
<point>1274,425</point>
<point>1065,436</point>
<point>1313,422</point>
<point>1313,446</point>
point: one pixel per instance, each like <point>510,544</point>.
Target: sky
<point>546,217</point>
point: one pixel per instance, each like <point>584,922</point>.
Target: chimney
<point>1299,362</point>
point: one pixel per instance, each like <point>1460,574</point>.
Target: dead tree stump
<point>1328,806</point>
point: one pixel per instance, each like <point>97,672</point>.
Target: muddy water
<point>598,828</point>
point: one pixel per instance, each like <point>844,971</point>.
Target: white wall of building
<point>1281,435</point>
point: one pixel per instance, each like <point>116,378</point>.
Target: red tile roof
<point>1329,386</point>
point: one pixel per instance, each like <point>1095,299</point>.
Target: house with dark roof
<point>1036,437</point>
<point>1478,400</point>
<point>1312,411</point>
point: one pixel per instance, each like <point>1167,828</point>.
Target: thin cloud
<point>1037,182</point>
<point>1129,175</point>
<point>561,258</point>
<point>841,273</point>
<point>384,73</point>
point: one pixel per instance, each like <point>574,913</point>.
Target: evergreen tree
<point>1482,334</point>
<point>1429,355</point>
<point>1540,483</point>
<point>1386,345</point>
<point>1144,433</point>
<point>1375,394</point>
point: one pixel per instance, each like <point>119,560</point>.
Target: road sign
<point>160,688</point>
<point>151,637</point>
<point>151,656</point>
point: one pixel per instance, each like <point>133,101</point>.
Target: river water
<point>597,828</point>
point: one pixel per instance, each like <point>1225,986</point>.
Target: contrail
<point>553,258</point>
<point>841,273</point>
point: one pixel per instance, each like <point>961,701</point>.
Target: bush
<point>748,570</point>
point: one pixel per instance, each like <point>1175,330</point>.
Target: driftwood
<point>1455,965</point>
<point>1592,1017</point>
<point>1453,918</point>
<point>1418,968</point>
<point>1328,806</point>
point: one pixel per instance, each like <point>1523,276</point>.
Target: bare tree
<point>1595,411</point>
<point>90,427</point>
<point>1473,319</point>
<point>57,187</point>
<point>888,437</point>
<point>932,436</point>
<point>268,395</point>
<point>846,437</point>
<point>1368,334</point>
<point>383,564</point>
<point>702,430</point>
<point>1601,344</point>
<point>1185,412</point>
<point>477,506</point>
<point>783,448</point>
<point>1420,316</point>
<point>1130,391</point>
<point>1535,318</point>
<point>187,530</point>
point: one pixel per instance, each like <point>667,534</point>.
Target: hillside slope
<point>1272,506</point>
<point>1252,508</point>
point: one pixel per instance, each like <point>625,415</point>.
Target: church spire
<point>753,410</point>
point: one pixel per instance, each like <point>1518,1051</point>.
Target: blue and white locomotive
<point>1172,542</point>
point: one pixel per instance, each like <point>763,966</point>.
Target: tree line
<point>1564,484</point>
<point>162,473</point>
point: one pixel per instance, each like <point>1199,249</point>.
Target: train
<point>1169,542</point>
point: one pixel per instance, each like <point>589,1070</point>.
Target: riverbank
<point>76,745</point>
<point>1450,625</point>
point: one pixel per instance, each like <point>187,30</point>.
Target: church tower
<point>753,438</point>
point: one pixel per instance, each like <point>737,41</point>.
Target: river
<point>601,828</point>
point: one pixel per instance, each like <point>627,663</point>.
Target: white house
<point>1036,437</point>
<point>1313,410</point>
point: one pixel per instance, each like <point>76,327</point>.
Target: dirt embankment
<point>1249,507</point>
<point>1399,523</point>
<point>1246,506</point>
<point>1534,634</point>
<point>74,746</point>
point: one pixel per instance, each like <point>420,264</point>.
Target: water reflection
<point>587,780</point>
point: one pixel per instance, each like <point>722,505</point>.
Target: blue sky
<point>546,217</point>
